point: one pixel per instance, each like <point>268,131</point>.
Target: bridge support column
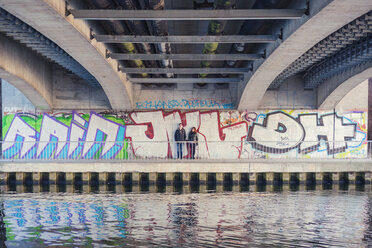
<point>1,118</point>
<point>136,181</point>
<point>152,181</point>
<point>102,181</point>
<point>335,178</point>
<point>367,178</point>
<point>53,181</point>
<point>169,178</point>
<point>3,181</point>
<point>69,178</point>
<point>186,182</point>
<point>36,177</point>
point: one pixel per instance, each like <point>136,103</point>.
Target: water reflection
<point>336,218</point>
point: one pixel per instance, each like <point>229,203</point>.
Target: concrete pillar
<point>335,178</point>
<point>319,178</point>
<point>186,182</point>
<point>102,181</point>
<point>135,178</point>
<point>286,178</point>
<point>53,181</point>
<point>152,178</point>
<point>169,188</point>
<point>36,178</point>
<point>69,178</point>
<point>351,177</point>
<point>252,179</point>
<point>186,178</point>
<point>302,178</point>
<point>269,178</point>
<point>169,178</point>
<point>85,178</point>
<point>236,178</point>
<point>136,182</point>
<point>3,181</point>
<point>119,178</point>
<point>202,178</point>
<point>219,178</point>
<point>1,118</point>
<point>20,178</point>
<point>367,178</point>
<point>3,178</point>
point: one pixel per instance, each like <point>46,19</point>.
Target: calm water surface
<point>323,218</point>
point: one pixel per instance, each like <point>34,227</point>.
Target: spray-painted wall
<point>222,134</point>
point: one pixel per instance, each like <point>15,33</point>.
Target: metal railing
<point>128,150</point>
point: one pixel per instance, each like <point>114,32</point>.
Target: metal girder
<point>123,56</point>
<point>216,14</point>
<point>184,80</point>
<point>184,70</point>
<point>186,39</point>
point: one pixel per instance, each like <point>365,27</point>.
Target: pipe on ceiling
<point>215,27</point>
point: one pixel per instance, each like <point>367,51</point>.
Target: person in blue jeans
<point>180,138</point>
<point>193,142</point>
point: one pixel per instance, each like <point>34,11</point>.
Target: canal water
<point>287,218</point>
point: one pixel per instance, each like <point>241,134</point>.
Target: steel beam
<point>186,39</point>
<point>184,70</point>
<point>239,56</point>
<point>171,15</point>
<point>183,80</point>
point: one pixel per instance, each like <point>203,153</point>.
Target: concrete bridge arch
<point>26,71</point>
<point>320,25</point>
<point>331,92</point>
<point>73,36</point>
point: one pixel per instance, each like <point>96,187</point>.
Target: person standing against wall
<point>193,139</point>
<point>180,137</point>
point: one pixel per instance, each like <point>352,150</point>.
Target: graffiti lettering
<point>222,134</point>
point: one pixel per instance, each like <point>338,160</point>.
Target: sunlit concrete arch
<point>329,19</point>
<point>73,36</point>
<point>331,92</point>
<point>26,71</point>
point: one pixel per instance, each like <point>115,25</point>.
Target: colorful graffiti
<point>222,134</point>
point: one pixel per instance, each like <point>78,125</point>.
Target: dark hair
<point>193,129</point>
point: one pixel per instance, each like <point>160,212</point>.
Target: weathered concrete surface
<point>355,99</point>
<point>291,95</point>
<point>27,71</point>
<point>48,17</point>
<point>326,21</point>
<point>333,90</point>
<point>220,166</point>
<point>73,93</point>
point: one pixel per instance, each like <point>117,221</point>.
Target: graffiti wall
<point>221,134</point>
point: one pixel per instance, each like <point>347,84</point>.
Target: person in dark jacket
<point>193,139</point>
<point>180,137</point>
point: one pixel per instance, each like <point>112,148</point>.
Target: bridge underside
<point>198,54</point>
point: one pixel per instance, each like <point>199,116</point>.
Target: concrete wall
<point>183,96</point>
<point>14,101</point>
<point>291,95</point>
<point>222,134</point>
